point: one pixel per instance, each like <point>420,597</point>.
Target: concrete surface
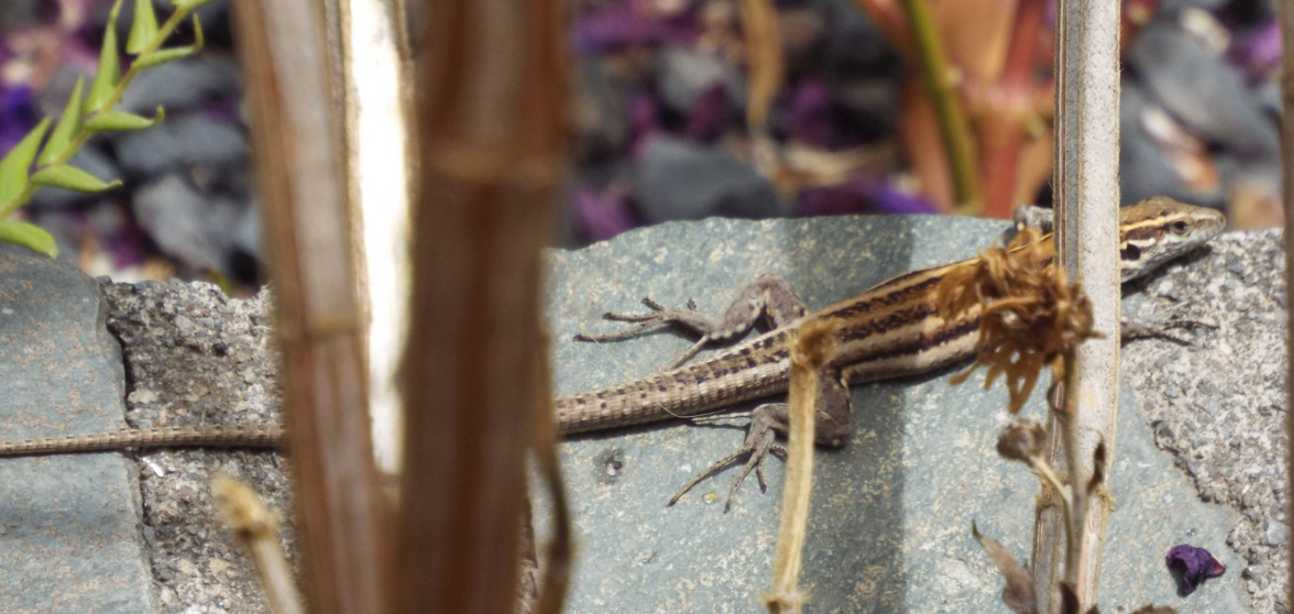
<point>892,512</point>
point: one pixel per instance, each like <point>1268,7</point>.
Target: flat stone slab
<point>69,526</point>
<point>892,512</point>
<point>890,527</point>
<point>1220,409</point>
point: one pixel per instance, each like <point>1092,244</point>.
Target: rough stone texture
<point>194,356</point>
<point>1220,408</point>
<point>69,534</point>
<point>892,512</point>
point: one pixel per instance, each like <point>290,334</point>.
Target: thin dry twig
<point>813,348</point>
<point>257,529</point>
<point>298,143</point>
<point>492,146</point>
<point>1287,181</point>
<point>1031,317</point>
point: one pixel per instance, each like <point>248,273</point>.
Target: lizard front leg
<point>832,429</point>
<point>769,296</point>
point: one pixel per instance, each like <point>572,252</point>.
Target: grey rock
<point>193,139</point>
<point>1277,533</point>
<point>684,74</point>
<point>184,84</point>
<point>16,14</point>
<point>1173,64</point>
<point>197,356</point>
<point>1220,429</point>
<point>891,515</point>
<point>675,179</point>
<point>601,111</point>
<point>1144,169</point>
<point>198,229</point>
<point>70,533</point>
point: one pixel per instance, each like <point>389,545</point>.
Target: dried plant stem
<point>560,551</point>
<point>298,141</point>
<point>257,529</point>
<point>1087,197</point>
<point>814,347</point>
<point>953,128</point>
<point>1287,180</point>
<point>492,145</point>
<point>763,58</point>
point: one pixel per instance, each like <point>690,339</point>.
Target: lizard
<point>889,331</point>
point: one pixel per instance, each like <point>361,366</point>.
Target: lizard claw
<point>760,441</point>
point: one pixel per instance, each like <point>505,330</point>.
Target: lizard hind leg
<point>768,296</point>
<point>833,426</point>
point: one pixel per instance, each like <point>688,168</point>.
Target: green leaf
<point>105,81</point>
<point>143,31</point>
<point>121,121</point>
<point>71,178</point>
<point>162,56</point>
<point>14,166</point>
<point>28,235</point>
<point>189,5</point>
<point>61,139</point>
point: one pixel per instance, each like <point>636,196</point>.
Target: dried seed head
<point>1022,440</point>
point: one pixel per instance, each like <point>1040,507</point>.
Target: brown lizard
<point>890,330</point>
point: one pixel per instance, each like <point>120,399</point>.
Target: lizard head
<point>1159,229</point>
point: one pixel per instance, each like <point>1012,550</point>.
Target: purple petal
<point>1191,566</point>
<point>1258,50</point>
<point>615,26</point>
<point>644,119</point>
<point>17,115</point>
<point>710,115</point>
<point>604,214</point>
<point>861,195</point>
<point>809,119</point>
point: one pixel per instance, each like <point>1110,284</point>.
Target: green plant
<point>88,115</point>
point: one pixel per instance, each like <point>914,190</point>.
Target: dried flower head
<point>1030,315</point>
<point>1022,440</point>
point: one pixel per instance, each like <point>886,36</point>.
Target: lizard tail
<point>141,439</point>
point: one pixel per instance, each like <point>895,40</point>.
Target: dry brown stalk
<point>257,529</point>
<point>298,140</point>
<point>813,348</point>
<point>492,147</point>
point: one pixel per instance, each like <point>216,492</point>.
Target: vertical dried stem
<point>1287,180</point>
<point>491,138</point>
<point>378,94</point>
<point>1087,196</point>
<point>813,347</point>
<point>298,138</point>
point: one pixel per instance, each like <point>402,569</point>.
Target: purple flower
<point>644,119</point>
<point>602,214</point>
<point>809,118</point>
<point>17,115</point>
<point>1191,566</point>
<point>1258,50</point>
<point>861,194</point>
<point>710,114</point>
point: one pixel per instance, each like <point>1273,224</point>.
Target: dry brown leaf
<point>1018,593</point>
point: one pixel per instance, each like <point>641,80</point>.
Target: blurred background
<point>663,113</point>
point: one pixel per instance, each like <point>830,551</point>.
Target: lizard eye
<point>1178,227</point>
<point>1131,252</point>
